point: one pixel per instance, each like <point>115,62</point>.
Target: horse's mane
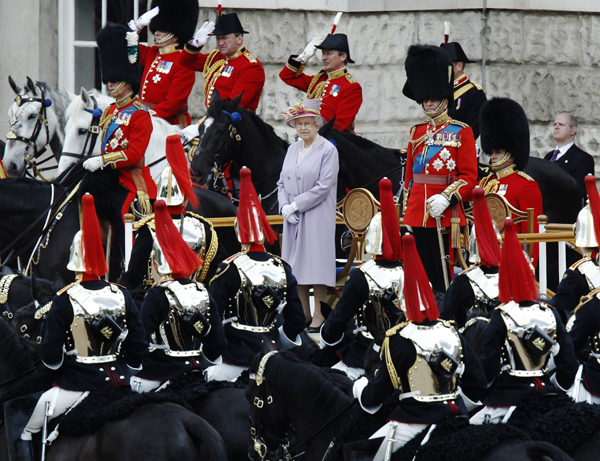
<point>55,95</point>
<point>301,378</point>
<point>366,144</point>
<point>263,127</point>
<point>77,105</point>
<point>15,354</point>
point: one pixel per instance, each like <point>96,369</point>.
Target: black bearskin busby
<point>504,125</point>
<point>337,42</point>
<point>116,55</point>
<point>178,17</point>
<point>429,74</point>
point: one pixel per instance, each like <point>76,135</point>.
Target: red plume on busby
<point>94,259</point>
<point>487,243</point>
<point>516,279</point>
<point>179,165</point>
<point>181,258</point>
<point>417,291</point>
<point>251,218</point>
<point>594,198</point>
<point>390,229</point>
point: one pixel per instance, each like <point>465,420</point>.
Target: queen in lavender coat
<point>307,190</point>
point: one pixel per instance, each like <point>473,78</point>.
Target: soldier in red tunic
<point>340,94</point>
<point>441,168</point>
<point>166,84</point>
<point>231,69</point>
<point>126,124</point>
<point>505,136</point>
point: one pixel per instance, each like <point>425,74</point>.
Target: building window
<point>78,23</point>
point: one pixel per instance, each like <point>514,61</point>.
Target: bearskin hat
<point>504,125</point>
<point>119,59</point>
<point>429,74</point>
<point>178,17</point>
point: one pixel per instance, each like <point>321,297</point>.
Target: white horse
<point>37,119</point>
<point>78,136</point>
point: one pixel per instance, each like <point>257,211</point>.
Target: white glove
<point>93,164</point>
<point>310,50</point>
<point>201,36</point>
<point>437,205</point>
<point>143,20</point>
<point>288,211</point>
<point>190,132</point>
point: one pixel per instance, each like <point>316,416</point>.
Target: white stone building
<point>543,53</point>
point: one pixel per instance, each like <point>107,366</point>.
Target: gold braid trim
<point>212,249</point>
<point>385,349</point>
<point>452,189</point>
<point>144,221</point>
<point>489,184</point>
<point>213,72</point>
<point>105,120</point>
<point>314,89</point>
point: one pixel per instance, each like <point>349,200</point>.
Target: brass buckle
<point>23,328</point>
<point>258,402</point>
<point>19,100</point>
<point>95,129</point>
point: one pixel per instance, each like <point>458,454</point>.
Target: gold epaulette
<point>476,85</point>
<point>349,78</point>
<point>190,51</point>
<point>62,290</point>
<point>222,271</point>
<point>456,122</point>
<point>580,262</point>
<point>250,57</point>
<point>525,175</point>
<point>395,329</point>
<point>586,299</point>
<point>139,106</point>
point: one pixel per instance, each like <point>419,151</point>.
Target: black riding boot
<point>22,451</point>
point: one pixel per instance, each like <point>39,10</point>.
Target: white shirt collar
<point>563,150</point>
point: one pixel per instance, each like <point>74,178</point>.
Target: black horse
<point>162,431</point>
<point>244,139</point>
<point>318,404</point>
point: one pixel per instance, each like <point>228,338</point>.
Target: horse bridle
<point>92,133</point>
<point>42,120</point>
<point>259,434</point>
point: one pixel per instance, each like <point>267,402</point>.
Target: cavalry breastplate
<point>434,375</point>
<point>263,289</point>
<point>182,331</point>
<point>531,335</point>
<point>193,233</point>
<point>591,272</point>
<point>99,324</point>
<point>485,289</point>
<point>382,309</point>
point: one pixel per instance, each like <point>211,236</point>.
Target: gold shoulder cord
<point>104,121</point>
<point>385,349</point>
<point>212,249</point>
<point>213,73</point>
<point>314,89</point>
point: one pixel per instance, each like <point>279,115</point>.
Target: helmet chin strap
<point>166,38</point>
<point>117,88</point>
<point>500,164</point>
<point>435,112</point>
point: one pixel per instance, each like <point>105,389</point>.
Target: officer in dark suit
<point>567,155</point>
<point>468,95</point>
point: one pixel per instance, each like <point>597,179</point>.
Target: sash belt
<point>432,179</point>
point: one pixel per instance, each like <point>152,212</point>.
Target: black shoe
<point>314,329</point>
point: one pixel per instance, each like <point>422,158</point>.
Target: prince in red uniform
<point>340,94</point>
<point>166,84</point>
<point>231,69</point>
<point>126,124</point>
<point>505,136</point>
<point>441,168</point>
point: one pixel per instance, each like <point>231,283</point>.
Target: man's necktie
<point>555,155</point>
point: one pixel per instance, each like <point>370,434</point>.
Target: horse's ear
<point>235,102</point>
<point>325,130</point>
<point>84,96</point>
<point>31,86</point>
<point>58,283</point>
<point>16,87</point>
<point>36,288</point>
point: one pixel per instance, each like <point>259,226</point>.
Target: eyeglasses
<point>305,124</point>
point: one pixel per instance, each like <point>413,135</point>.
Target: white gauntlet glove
<point>190,132</point>
<point>143,20</point>
<point>93,164</point>
<point>310,50</point>
<point>201,36</point>
<point>437,205</point>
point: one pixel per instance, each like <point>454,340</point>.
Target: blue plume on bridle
<point>48,102</point>
<point>234,116</point>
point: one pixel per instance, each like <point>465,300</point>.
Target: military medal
<point>335,90</point>
<point>227,71</point>
<point>164,67</point>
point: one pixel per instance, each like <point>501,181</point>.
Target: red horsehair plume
<point>179,165</point>
<point>181,258</point>
<point>251,218</point>
<point>487,242</point>
<point>516,281</point>
<point>336,20</point>
<point>594,198</point>
<point>390,229</point>
<point>417,290</point>
<point>94,259</point>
